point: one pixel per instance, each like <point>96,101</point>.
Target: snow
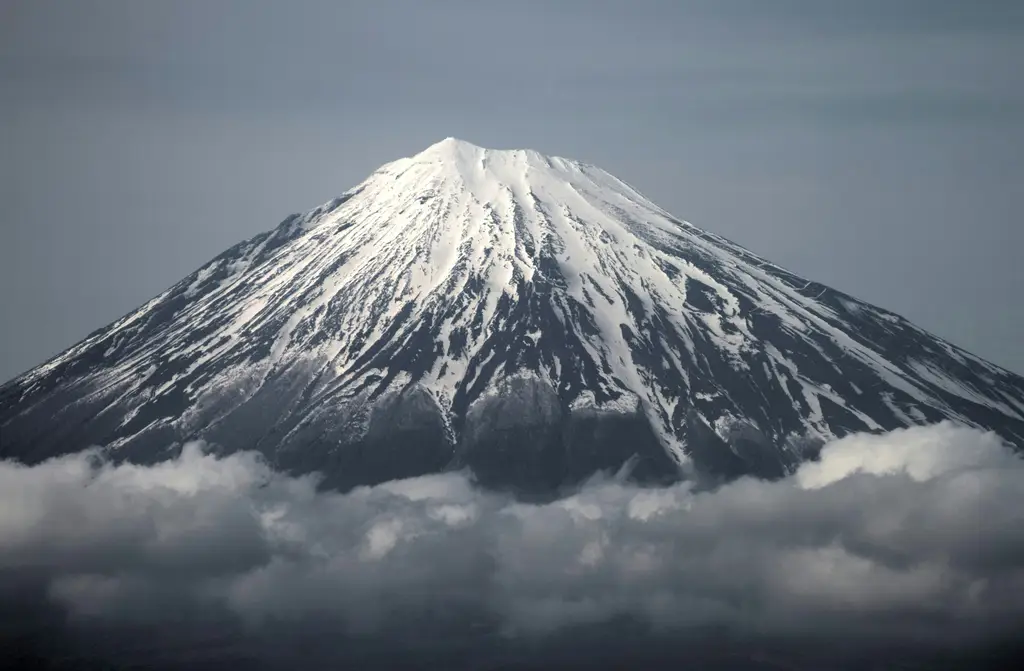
<point>460,221</point>
<point>586,402</point>
<point>955,388</point>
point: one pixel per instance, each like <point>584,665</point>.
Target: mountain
<point>531,317</point>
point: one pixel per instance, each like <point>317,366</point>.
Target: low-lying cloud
<point>917,534</point>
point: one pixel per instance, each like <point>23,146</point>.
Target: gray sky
<point>876,146</point>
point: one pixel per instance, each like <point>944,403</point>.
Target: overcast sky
<point>876,146</point>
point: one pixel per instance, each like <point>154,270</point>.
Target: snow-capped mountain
<point>532,317</point>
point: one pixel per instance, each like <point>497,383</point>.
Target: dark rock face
<point>606,441</point>
<point>403,435</point>
<point>742,450</point>
<point>513,439</point>
<point>406,437</point>
<point>523,438</point>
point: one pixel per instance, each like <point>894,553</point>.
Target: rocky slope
<point>531,317</point>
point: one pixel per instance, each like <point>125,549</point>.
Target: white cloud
<point>923,453</point>
<point>915,533</point>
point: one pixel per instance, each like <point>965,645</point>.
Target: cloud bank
<point>915,535</point>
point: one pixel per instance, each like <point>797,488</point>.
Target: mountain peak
<point>454,150</point>
<point>451,149</point>
<point>451,144</point>
<point>496,179</point>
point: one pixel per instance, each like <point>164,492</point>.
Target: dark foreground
<point>46,640</point>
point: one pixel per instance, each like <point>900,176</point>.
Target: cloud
<point>914,535</point>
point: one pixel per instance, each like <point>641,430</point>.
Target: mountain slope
<point>532,317</point>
